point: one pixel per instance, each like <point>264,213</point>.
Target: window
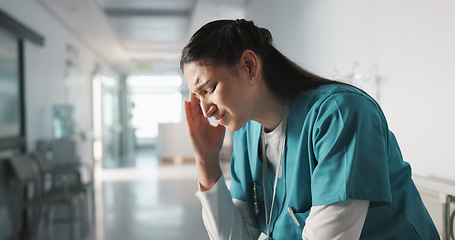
<point>12,113</point>
<point>12,134</point>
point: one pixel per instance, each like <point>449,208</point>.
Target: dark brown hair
<point>222,42</point>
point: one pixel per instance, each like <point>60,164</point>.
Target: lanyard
<point>268,218</point>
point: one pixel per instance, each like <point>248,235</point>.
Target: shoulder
<point>338,90</point>
<point>338,104</point>
<point>349,108</point>
<point>335,96</point>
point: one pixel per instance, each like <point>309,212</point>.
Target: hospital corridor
<point>145,201</point>
<point>94,140</point>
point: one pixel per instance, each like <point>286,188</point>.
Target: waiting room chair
<point>45,199</point>
<point>66,178</point>
<point>26,180</point>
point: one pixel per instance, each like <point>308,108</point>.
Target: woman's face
<point>224,93</point>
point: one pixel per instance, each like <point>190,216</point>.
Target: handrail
<point>446,189</point>
<point>435,183</point>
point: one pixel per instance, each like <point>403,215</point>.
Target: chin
<point>233,127</point>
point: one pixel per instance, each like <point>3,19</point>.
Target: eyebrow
<point>202,85</point>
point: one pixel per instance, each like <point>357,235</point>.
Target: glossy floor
<point>147,201</point>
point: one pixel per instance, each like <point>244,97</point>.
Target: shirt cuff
<point>213,194</point>
<point>339,220</point>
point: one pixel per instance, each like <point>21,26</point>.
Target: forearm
<point>209,171</point>
<point>222,218</point>
<point>206,141</point>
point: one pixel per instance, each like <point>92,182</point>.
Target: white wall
<point>46,72</point>
<point>207,10</point>
<point>411,45</point>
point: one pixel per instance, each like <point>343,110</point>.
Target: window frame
<point>20,33</point>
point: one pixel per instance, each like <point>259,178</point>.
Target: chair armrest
<point>64,180</point>
<point>74,168</point>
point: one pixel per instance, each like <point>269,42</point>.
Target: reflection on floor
<point>149,201</point>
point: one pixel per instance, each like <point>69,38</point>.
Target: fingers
<point>195,106</point>
<point>193,111</point>
<point>193,98</point>
<point>189,117</point>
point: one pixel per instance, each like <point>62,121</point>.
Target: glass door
<point>106,120</point>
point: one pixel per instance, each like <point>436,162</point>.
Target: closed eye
<point>211,90</point>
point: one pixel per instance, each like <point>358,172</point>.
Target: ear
<point>249,62</point>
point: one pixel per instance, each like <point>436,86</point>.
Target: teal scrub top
<point>338,147</point>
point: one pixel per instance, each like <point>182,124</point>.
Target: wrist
<point>209,171</point>
<point>206,158</point>
<point>207,185</point>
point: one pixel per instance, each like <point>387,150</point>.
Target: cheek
<point>222,96</point>
<point>229,100</point>
<point>232,98</point>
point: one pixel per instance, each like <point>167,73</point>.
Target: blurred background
<point>94,89</point>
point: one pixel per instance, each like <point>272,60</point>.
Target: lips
<point>220,118</point>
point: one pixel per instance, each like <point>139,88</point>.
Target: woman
<point>312,158</point>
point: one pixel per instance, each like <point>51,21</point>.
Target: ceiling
<point>140,35</point>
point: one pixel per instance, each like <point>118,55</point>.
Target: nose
<point>208,108</point>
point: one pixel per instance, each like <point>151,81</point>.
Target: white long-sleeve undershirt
<point>228,218</point>
<point>224,217</point>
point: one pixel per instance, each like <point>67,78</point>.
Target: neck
<point>270,112</point>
